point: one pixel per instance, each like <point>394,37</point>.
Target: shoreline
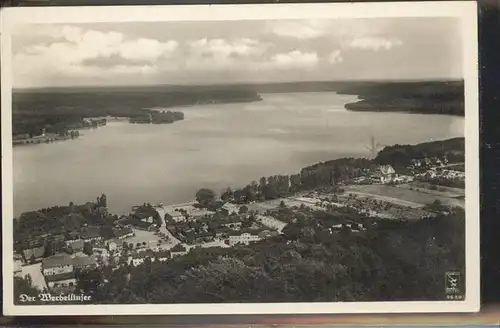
<point>364,105</point>
<point>312,165</point>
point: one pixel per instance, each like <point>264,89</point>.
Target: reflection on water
<point>215,146</point>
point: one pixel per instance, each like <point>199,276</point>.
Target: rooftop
<point>77,245</point>
<point>122,232</point>
<point>60,277</point>
<point>37,252</point>
<point>81,261</point>
<point>178,248</point>
<point>142,255</point>
<point>57,261</point>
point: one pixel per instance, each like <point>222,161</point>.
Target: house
<point>61,280</point>
<point>271,222</point>
<point>265,234</point>
<point>34,254</point>
<point>221,232</point>
<point>123,233</point>
<point>76,247</point>
<point>90,234</point>
<point>162,256</point>
<point>178,250</point>
<point>148,220</point>
<point>386,173</point>
<point>203,237</point>
<point>403,179</point>
<point>122,221</point>
<point>84,263</point>
<point>57,264</point>
<point>181,212</point>
<point>114,245</point>
<point>245,238</point>
<point>337,227</point>
<point>138,258</point>
<point>57,238</point>
<point>230,208</point>
<point>234,224</point>
<point>175,216</point>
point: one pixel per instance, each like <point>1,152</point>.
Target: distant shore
<point>444,98</point>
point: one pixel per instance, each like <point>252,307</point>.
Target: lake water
<point>215,146</point>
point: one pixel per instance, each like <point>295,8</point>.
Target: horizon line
<point>239,84</point>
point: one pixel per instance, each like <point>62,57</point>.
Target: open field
<point>402,196</point>
<point>393,200</point>
<point>426,187</point>
<point>266,205</point>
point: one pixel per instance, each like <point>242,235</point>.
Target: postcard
<point>240,159</point>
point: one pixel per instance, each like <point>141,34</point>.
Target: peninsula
<point>437,97</point>
<point>57,111</point>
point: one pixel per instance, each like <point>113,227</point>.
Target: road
<point>163,228</point>
<point>35,271</point>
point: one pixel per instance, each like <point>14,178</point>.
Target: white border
<point>466,11</point>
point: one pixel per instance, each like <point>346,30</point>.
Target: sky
<point>248,51</point>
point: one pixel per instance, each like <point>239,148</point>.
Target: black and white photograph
<point>239,159</point>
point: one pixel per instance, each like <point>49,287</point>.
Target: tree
<point>49,249</point>
<point>270,192</point>
<point>88,249</point>
<point>250,193</point>
<point>243,209</point>
<point>24,286</point>
<point>295,182</point>
<point>227,195</point>
<point>102,201</point>
<point>205,196</point>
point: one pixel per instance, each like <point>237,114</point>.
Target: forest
<point>440,97</point>
<point>157,117</point>
<point>397,261</point>
<point>58,110</point>
<point>401,155</point>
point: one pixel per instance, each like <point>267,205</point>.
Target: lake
<point>216,146</point>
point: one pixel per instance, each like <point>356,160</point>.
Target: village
<point>163,232</point>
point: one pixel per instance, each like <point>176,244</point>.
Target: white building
<point>148,220</point>
<point>233,224</point>
<point>63,280</point>
<point>231,208</point>
<point>139,258</point>
<point>245,238</point>
<point>386,173</point>
<point>181,212</point>
<point>271,222</point>
<point>123,233</point>
<point>57,264</point>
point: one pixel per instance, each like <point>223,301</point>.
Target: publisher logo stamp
<point>453,288</point>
